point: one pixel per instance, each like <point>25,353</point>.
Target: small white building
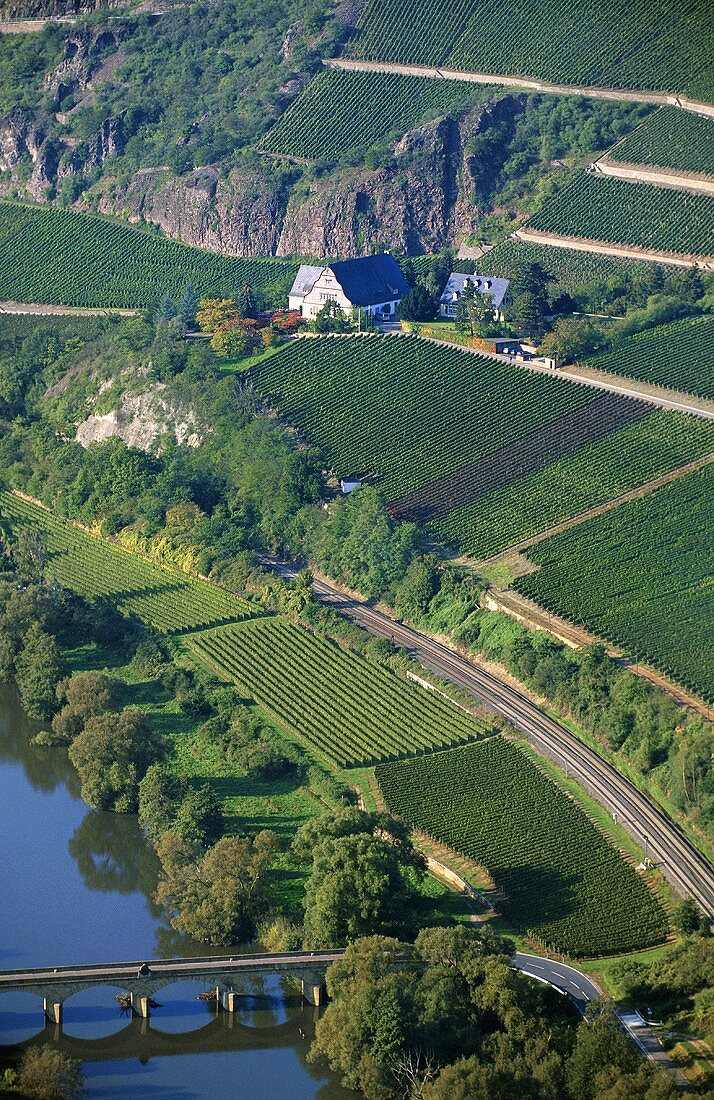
<point>373,283</point>
<point>483,284</point>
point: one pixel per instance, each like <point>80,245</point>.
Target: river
<point>76,888</point>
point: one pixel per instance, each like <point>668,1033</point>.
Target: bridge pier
<point>313,989</point>
<point>140,1006</point>
<point>228,1000</point>
<point>53,1010</point>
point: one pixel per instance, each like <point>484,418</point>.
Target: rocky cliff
<point>421,199</point>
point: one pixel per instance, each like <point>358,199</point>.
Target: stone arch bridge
<point>142,980</point>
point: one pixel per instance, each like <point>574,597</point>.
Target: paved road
<point>562,977</point>
<point>567,979</point>
<point>689,872</point>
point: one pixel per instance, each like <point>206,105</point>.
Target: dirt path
<point>535,617</point>
<point>27,26</point>
<point>40,310</point>
<point>660,177</point>
<point>625,95</point>
<point>625,252</point>
<point>599,509</point>
<point>648,391</point>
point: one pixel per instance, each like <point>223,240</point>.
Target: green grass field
<point>167,600</point>
<point>641,576</point>
<point>562,880</point>
<point>50,255</point>
<point>344,708</point>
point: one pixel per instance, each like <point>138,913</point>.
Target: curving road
<point>559,975</point>
<point>689,872</point>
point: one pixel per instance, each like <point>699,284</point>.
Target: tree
<point>84,695</point>
<point>573,338</point>
<point>461,318</point>
<point>687,917</point>
<point>247,306</point>
<point>214,312</point>
<point>370,1018</point>
<point>417,305</point>
<point>234,339</point>
<point>164,312</point>
<point>38,668</point>
<point>599,1045</point>
<point>420,584</point>
<point>358,886</point>
<point>331,318</point>
<point>219,898</point>
<point>199,818</point>
<point>160,792</point>
<point>112,755</point>
<point>48,1074</point>
<point>188,306</point>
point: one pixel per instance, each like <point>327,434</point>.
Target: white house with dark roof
<point>373,283</point>
<point>483,284</point>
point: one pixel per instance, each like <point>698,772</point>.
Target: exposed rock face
<point>240,216</point>
<point>20,137</point>
<point>406,205</point>
<point>421,198</point>
<point>140,420</point>
<point>46,9</point>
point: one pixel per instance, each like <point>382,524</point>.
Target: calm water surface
<point>76,888</point>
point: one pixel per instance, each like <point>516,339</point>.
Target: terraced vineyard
<point>405,409</point>
<point>679,355</point>
<point>670,138</point>
<point>50,255</point>
<point>342,112</point>
<point>641,576</point>
<point>168,601</point>
<point>563,881</point>
<point>601,208</point>
<point>657,46</point>
<point>570,269</point>
<point>486,452</point>
<point>340,705</point>
<point>592,475</point>
<point>533,451</point>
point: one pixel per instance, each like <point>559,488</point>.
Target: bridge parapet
<point>143,980</point>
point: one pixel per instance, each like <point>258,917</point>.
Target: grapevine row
<point>602,208</point>
<point>343,707</point>
<point>658,45</point>
<point>168,601</point>
<point>599,472</point>
<point>62,256</point>
<point>407,410</point>
<point>563,881</point>
<point>342,112</point>
<point>678,355</point>
<point>641,575</point>
<point>670,138</point>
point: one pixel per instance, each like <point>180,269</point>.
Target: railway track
<point>687,869</point>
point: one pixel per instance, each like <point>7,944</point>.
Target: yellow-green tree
<point>214,312</point>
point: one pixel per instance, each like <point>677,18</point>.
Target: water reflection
<point>112,856</point>
<point>77,886</point>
